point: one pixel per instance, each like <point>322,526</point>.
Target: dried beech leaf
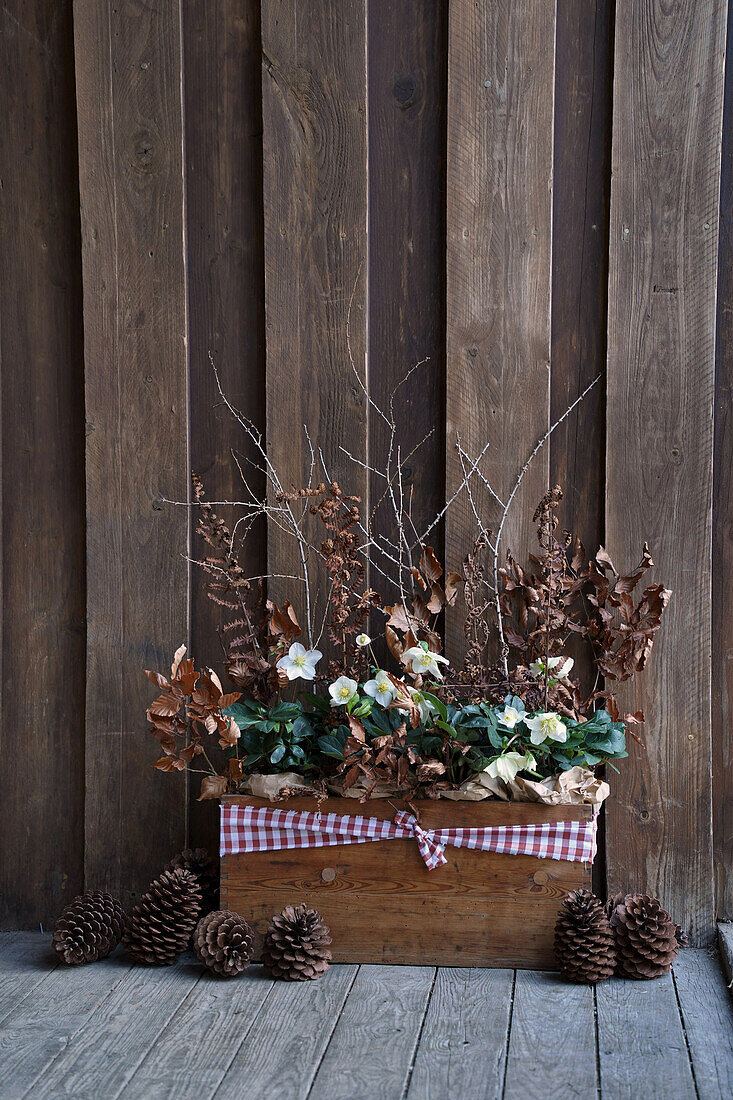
<point>157,678</point>
<point>177,658</point>
<point>213,786</point>
<point>283,621</point>
<point>430,565</point>
<point>452,583</point>
<point>604,561</point>
<point>357,728</point>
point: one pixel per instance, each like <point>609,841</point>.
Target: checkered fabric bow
<point>259,829</point>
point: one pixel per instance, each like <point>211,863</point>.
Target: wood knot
<point>328,874</point>
<point>540,878</point>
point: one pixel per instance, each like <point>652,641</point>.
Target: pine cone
<point>645,936</point>
<point>89,928</point>
<point>617,899</point>
<point>683,940</point>
<point>296,945</point>
<point>161,925</point>
<point>584,946</point>
<point>223,943</point>
<point>206,870</point>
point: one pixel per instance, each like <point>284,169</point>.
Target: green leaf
<point>277,754</point>
<point>286,712</point>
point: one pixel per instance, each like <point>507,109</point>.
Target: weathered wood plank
<point>707,1017</point>
<point>282,1051</point>
<point>373,1046</point>
<point>407,63</point>
<point>668,95</point>
<point>225,275</point>
<point>725,950</point>
<point>100,1059</point>
<point>463,1042</point>
<point>26,960</point>
<point>641,1042</point>
<point>499,233</point>
<point>215,1019</point>
<point>131,181</point>
<point>722,580</point>
<point>581,199</point>
<point>42,463</point>
<point>315,207</point>
<point>552,1045</point>
<point>46,1023</point>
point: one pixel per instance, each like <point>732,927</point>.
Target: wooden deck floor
<point>368,1032</point>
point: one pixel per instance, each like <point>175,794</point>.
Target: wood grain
<point>101,1058</point>
<point>640,1038</point>
<point>374,1042</point>
<point>552,1044</point>
<point>580,210</point>
<point>707,1017</point>
<point>214,1019</point>
<point>131,181</point>
<point>281,1053</point>
<point>463,1042</point>
<point>722,579</point>
<point>53,1013</point>
<point>479,909</point>
<point>225,279</point>
<point>499,233</point>
<point>407,66</point>
<point>315,208</point>
<point>27,960</point>
<point>668,95</point>
<point>42,463</point>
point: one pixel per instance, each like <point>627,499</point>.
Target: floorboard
<point>45,1023</point>
<point>111,1031</point>
<point>372,1048</point>
<point>552,1045</point>
<point>707,1017</point>
<point>463,1043</point>
<point>195,1049</point>
<point>26,960</point>
<point>98,1062</point>
<point>281,1052</point>
<point>641,1044</point>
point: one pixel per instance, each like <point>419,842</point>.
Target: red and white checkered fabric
<point>262,829</point>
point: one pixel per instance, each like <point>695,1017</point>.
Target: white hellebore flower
<point>538,669</point>
<point>506,767</point>
<point>363,640</point>
<point>424,660</point>
<point>380,688</point>
<point>342,691</point>
<point>422,704</point>
<point>546,726</point>
<point>509,717</point>
<point>300,663</point>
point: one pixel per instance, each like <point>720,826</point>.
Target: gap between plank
<point>158,1033</point>
<point>598,1048</point>
<point>413,1058</point>
<point>684,1032</point>
<point>243,1040</point>
<point>330,1037</point>
<point>49,1065</point>
<point>508,1035</point>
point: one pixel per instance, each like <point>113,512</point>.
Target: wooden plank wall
<point>128,90</point>
<point>235,179</point>
<point>663,248</point>
<point>42,490</point>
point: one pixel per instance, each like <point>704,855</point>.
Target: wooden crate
<point>384,906</point>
